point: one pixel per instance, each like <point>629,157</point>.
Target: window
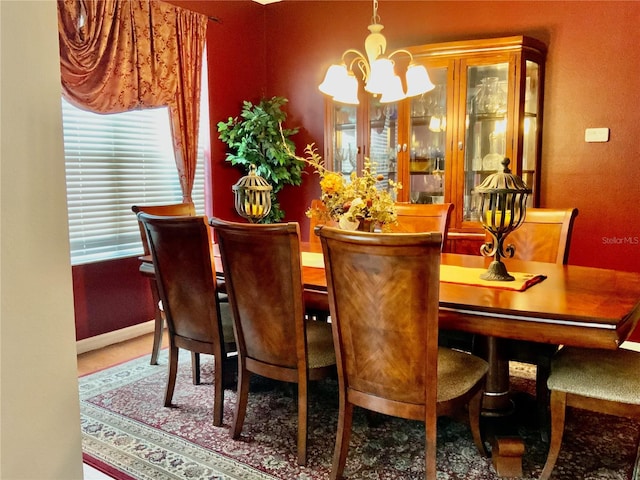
<point>116,161</point>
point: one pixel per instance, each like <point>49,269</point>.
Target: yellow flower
<point>359,200</point>
<point>331,183</point>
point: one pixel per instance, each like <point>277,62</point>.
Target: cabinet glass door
<point>383,140</point>
<point>428,127</point>
<point>531,125</point>
<point>345,138</point>
<point>486,129</point>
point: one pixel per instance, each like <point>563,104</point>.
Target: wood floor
<point>102,358</point>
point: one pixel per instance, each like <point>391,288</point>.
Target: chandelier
<point>377,71</point>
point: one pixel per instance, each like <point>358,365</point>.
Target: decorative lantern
<point>502,209</point>
<point>252,196</point>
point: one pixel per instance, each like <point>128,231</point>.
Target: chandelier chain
<point>375,18</point>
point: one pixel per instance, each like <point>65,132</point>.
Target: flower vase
<point>365,225</point>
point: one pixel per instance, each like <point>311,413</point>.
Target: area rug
<point>128,434</point>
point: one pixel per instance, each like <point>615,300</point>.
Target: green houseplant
<point>257,137</point>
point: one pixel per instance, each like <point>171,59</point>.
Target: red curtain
<point>185,111</point>
<point>117,56</point>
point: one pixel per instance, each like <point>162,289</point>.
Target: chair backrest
<point>415,217</point>
<point>316,204</point>
<point>383,297</point>
<point>181,249</point>
<point>544,236</point>
<point>263,277</point>
<point>412,218</point>
<point>172,210</point>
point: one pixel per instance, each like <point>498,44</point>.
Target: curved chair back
<point>172,210</point>
<point>544,236</point>
<point>415,217</point>
<point>263,277</point>
<point>147,269</point>
<point>181,248</point>
<point>181,251</point>
<point>383,297</point>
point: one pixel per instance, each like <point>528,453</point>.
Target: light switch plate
<point>596,135</point>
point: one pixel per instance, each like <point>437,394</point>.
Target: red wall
<point>109,296</point>
<point>593,80</point>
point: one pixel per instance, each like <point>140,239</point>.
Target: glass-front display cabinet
<point>487,105</point>
<point>357,131</point>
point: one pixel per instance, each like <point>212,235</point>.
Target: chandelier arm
<point>357,53</point>
<point>359,60</point>
<point>401,50</point>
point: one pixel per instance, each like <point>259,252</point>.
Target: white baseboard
<point>631,346</point>
<point>117,336</point>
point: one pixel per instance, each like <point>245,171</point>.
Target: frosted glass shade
<point>393,91</point>
<point>340,84</point>
<point>418,81</point>
<point>380,77</point>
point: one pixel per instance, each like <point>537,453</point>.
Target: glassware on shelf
<point>489,99</point>
<point>492,160</point>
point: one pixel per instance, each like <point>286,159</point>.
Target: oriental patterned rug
<point>128,434</point>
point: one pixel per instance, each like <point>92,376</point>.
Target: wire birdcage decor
<point>503,206</point>
<point>252,196</point>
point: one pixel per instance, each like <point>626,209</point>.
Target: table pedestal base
<point>497,399</point>
<point>506,455</point>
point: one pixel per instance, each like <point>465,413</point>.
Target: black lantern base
<point>497,272</point>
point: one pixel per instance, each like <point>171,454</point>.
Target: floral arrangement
<point>353,204</point>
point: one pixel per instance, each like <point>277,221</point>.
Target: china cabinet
<point>353,132</point>
<point>487,105</point>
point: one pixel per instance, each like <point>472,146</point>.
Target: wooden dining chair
<point>544,236</point>
<point>263,274</point>
<point>604,381</point>
<point>147,269</point>
<point>383,297</point>
<point>181,249</point>
<point>414,218</point>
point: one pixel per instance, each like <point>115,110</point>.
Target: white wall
<point>39,409</point>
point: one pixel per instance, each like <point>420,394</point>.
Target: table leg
<point>497,400</point>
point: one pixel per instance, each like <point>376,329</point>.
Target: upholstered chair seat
<point>451,384</point>
<point>603,374</point>
<point>319,344</point>
<point>604,381</point>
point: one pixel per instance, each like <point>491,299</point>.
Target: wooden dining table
<point>572,305</point>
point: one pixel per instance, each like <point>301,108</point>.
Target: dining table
<point>568,305</point>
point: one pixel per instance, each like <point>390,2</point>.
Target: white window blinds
<point>116,161</point>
